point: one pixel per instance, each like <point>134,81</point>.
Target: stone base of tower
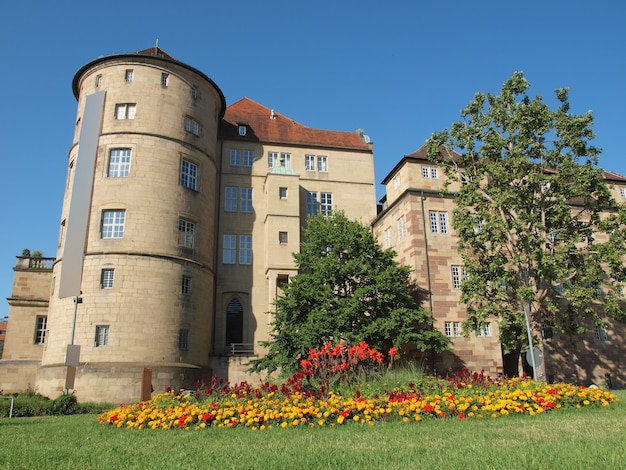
<point>18,375</point>
<point>120,382</point>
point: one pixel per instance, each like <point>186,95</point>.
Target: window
<point>388,241</point>
<point>164,79</point>
<point>106,278</point>
<point>309,162</point>
<point>283,237</point>
<point>229,255</point>
<point>234,322</point>
<point>322,163</point>
<point>235,157</point>
<point>485,330</point>
<point>246,200</point>
<point>189,175</point>
<point>434,174</point>
<point>438,222</point>
<point>600,333</point>
<point>425,172</point>
<point>230,199</point>
<point>276,160</point>
<point>186,285</point>
<point>128,77</point>
<point>186,233</point>
<point>183,339</point>
<point>326,204</point>
<point>396,182</point>
<point>245,249</point>
<point>282,193</point>
<point>191,125</point>
<point>40,329</point>
<point>312,206</point>
<point>248,157</point>
<point>125,111</point>
<point>459,275</point>
<point>62,233</point>
<point>453,328</point>
<point>430,172</point>
<point>98,81</point>
<point>195,94</point>
<point>69,173</point>
<point>113,223</point>
<point>119,163</point>
<point>401,225</point>
<point>622,192</point>
<point>242,129</point>
<point>102,335</point>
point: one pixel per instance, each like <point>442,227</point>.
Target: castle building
<point>187,222</point>
<point>191,220</point>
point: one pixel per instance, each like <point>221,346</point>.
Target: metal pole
<point>74,322</point>
<point>530,340</point>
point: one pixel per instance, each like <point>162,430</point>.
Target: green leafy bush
<point>64,405</point>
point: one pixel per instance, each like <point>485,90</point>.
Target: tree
<point>348,289</point>
<point>540,233</point>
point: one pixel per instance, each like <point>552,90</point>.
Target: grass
<point>566,438</point>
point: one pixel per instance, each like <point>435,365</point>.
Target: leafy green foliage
<point>347,289</point>
<point>537,223</point>
<point>64,405</point>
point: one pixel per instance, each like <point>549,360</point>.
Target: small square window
<point>242,130</point>
<point>282,193</point>
<point>283,237</point>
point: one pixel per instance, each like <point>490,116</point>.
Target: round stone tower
<point>144,311</point>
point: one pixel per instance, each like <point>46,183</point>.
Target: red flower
<point>393,352</point>
<point>428,409</point>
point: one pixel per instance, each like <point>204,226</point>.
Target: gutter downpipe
<point>430,296</point>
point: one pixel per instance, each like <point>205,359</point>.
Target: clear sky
<point>399,69</point>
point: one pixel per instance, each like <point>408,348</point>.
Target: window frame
<point>183,339</point>
<point>125,111</point>
<point>192,126</point>
<point>128,75</point>
<point>245,200</point>
<point>113,228</point>
<point>107,278</point>
<point>283,237</point>
<point>101,336</point>
<point>229,249</point>
<point>322,163</point>
<point>119,162</point>
<point>186,285</point>
<point>248,158</point>
<point>189,174</point>
<point>231,198</point>
<point>309,162</point>
<point>245,250</point>
<point>41,325</point>
<point>186,230</point>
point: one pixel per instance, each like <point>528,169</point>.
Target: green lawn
<point>562,439</point>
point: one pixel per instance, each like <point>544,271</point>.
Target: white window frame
<point>434,173</point>
<point>245,249</point>
<point>312,203</point>
<point>112,225</point>
<point>388,238</point>
<point>128,76</point>
<point>622,192</point>
<point>285,160</point>
<point>309,162</point>
<point>397,181</point>
<point>229,251</point>
<point>125,111</point>
<point>189,174</point>
<point>401,226</point>
<point>485,330</point>
<point>102,336</point>
<point>165,78</point>
<point>248,158</point>
<point>98,81</point>
<point>456,328</point>
<point>245,200</point>
<point>443,222</point>
<point>282,192</point>
<point>448,328</point>
<point>192,126</point>
<point>107,276</point>
<point>326,204</point>
<point>322,164</point>
<point>600,333</point>
<point>272,159</point>
<point>438,222</point>
<point>242,129</point>
<point>230,198</point>
<point>41,324</point>
<point>425,172</point>
<point>119,163</point>
<point>457,276</point>
<point>186,233</point>
<point>235,157</point>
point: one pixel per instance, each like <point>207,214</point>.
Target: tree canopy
<point>538,225</point>
<point>348,289</point>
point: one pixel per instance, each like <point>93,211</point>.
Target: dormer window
<point>242,129</point>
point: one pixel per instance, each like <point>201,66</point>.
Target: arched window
<point>234,322</point>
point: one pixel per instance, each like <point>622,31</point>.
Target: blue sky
<point>398,69</point>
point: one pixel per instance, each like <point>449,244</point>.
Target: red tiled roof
<point>157,52</point>
<point>266,125</point>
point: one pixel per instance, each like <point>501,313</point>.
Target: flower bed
<point>270,406</point>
